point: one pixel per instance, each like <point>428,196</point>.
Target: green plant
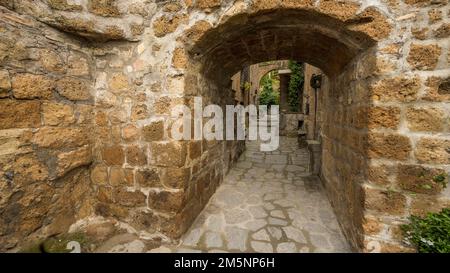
<point>247,86</point>
<point>429,234</point>
<point>295,84</point>
<point>441,179</point>
<point>268,95</point>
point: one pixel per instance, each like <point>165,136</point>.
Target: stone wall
<point>46,102</point>
<point>385,119</point>
<point>289,124</point>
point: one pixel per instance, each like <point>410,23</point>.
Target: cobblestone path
<point>267,203</point>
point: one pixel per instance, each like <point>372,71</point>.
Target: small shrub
<point>429,234</point>
<point>441,179</point>
<point>295,84</point>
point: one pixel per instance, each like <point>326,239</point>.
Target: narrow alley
<point>267,203</point>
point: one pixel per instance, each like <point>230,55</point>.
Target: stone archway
<point>346,42</point>
<point>262,35</point>
<point>264,69</point>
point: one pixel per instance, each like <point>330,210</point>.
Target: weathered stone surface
<point>148,177</point>
<point>172,7</point>
<point>420,33</point>
<point>107,8</point>
<point>29,86</point>
<point>14,141</point>
<point>396,89</point>
<point>121,177</point>
<point>136,155</point>
<point>443,31</point>
<point>59,137</point>
<point>179,59</point>
<point>424,57</point>
<point>5,83</point>
<point>176,178</point>
<point>208,4</point>
<point>388,117</point>
<point>423,204</point>
<point>438,89</point>
<point>433,151</point>
<point>19,114</point>
<point>27,168</point>
<point>387,202</point>
<point>195,149</point>
<point>194,33</point>
<point>129,198</point>
<point>83,27</point>
<point>391,146</point>
<point>118,82</point>
<point>264,4</point>
<point>165,104</point>
<point>380,174</point>
<point>130,133</point>
<point>342,10</point>
<point>145,220</point>
<point>371,226</point>
<point>58,114</point>
<point>73,159</point>
<point>51,61</point>
<point>78,66</point>
<point>420,179</point>
<point>434,15</point>
<point>113,155</point>
<point>64,5</point>
<point>99,174</point>
<point>297,3</point>
<point>114,32</point>
<point>153,131</point>
<point>168,153</point>
<point>139,112</point>
<point>73,89</point>
<point>168,201</point>
<point>426,119</point>
<point>165,24</point>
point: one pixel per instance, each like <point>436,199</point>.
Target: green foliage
<point>441,179</point>
<point>430,234</point>
<point>268,95</point>
<point>295,84</point>
<point>247,86</point>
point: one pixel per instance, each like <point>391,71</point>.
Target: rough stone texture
<point>424,57</point>
<point>426,119</point>
<point>20,114</point>
<point>61,94</point>
<point>55,114</point>
<point>29,86</point>
<point>154,131</point>
<point>5,83</point>
<point>389,146</point>
<point>433,150</point>
<point>165,25</point>
<point>397,89</point>
<point>419,179</point>
<point>45,138</point>
<point>73,89</point>
<point>385,202</point>
<point>388,117</point>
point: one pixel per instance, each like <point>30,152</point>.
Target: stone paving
<point>267,203</point>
